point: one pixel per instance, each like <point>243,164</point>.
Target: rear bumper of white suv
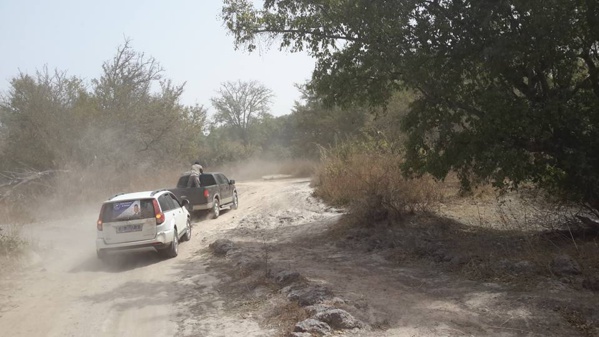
<point>162,240</point>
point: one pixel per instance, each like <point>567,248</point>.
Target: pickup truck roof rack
<point>156,191</point>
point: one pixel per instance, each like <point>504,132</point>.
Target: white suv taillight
<point>159,215</point>
<point>99,224</point>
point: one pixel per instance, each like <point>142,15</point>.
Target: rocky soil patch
<point>310,274</point>
<point>315,299</point>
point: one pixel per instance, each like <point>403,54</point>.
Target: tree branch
<point>306,32</point>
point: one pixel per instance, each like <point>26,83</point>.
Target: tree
<point>507,91</point>
<point>130,116</point>
<point>240,104</point>
<point>39,120</point>
<point>189,136</point>
<point>318,125</point>
<point>273,136</point>
<point>139,110</point>
<point>126,80</point>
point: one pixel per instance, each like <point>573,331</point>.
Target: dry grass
<point>578,319</point>
<point>285,316</point>
<point>373,186</point>
<point>14,212</point>
<point>13,248</point>
<point>12,244</point>
<point>483,238</point>
<point>252,289</point>
<point>484,235</point>
<point>504,229</point>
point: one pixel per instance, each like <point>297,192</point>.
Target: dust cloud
<point>257,168</point>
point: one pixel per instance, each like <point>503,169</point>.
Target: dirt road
<point>66,291</point>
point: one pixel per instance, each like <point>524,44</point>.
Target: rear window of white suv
<point>127,210</point>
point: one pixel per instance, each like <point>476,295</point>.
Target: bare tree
<point>239,104</point>
<point>140,108</point>
<point>126,79</point>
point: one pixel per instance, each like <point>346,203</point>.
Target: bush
<point>370,183</point>
<point>11,243</point>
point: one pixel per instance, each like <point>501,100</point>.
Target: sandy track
<point>67,292</point>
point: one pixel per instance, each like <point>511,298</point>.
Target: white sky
<point>186,37</point>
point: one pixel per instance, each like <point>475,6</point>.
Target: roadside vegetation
<point>462,92</point>
<point>14,244</point>
<point>11,242</point>
<point>525,238</point>
<point>372,184</point>
<point>473,94</point>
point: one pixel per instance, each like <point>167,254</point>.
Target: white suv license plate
<point>129,228</point>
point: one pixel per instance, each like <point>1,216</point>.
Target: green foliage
<point>129,117</point>
<point>354,42</point>
<point>224,147</point>
<point>316,125</point>
<point>243,128</point>
<point>38,118</point>
<point>508,91</point>
<point>520,102</point>
<point>189,139</point>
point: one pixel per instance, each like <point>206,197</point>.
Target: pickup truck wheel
<point>215,209</point>
<point>173,248</point>
<point>187,235</point>
<point>235,201</point>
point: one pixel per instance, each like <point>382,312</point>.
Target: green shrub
<point>11,243</point>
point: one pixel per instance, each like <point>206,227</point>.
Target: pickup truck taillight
<point>206,194</point>
<point>159,215</point>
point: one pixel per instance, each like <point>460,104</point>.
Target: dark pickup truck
<point>215,192</point>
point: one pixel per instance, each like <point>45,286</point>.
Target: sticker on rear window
<point>127,210</point>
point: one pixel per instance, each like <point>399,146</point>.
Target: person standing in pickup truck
<point>194,176</point>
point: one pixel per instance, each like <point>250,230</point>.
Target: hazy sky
<point>187,37</point>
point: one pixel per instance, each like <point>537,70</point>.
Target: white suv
<point>143,219</point>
